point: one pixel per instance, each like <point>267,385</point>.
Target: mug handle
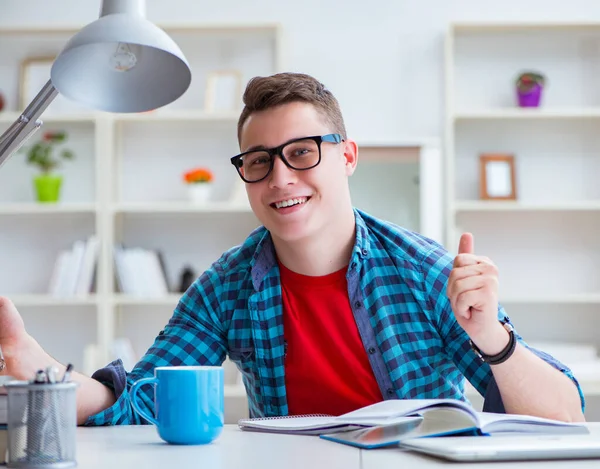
<point>134,389</point>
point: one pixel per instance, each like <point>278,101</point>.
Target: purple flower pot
<point>530,98</point>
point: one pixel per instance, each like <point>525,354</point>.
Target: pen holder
<point>42,424</point>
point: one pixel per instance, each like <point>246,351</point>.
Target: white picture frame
<point>34,73</point>
<point>223,91</point>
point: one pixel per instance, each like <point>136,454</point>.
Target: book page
<point>403,407</point>
<point>491,422</point>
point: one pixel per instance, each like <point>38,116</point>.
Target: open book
<point>412,418</point>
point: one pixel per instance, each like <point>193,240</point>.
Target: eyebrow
<point>255,147</point>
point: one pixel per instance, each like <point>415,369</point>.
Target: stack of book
<point>74,270</point>
<point>140,272</point>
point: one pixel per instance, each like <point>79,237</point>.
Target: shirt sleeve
<point>193,336</point>
<point>437,265</point>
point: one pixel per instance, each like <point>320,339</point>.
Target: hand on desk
<point>473,294</point>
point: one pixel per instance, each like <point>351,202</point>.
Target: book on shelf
<point>140,272</point>
<point>74,270</point>
<point>387,422</point>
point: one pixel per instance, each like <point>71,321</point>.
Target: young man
<point>326,308</point>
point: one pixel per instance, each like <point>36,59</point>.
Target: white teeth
<point>290,202</point>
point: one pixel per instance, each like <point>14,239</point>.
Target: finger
<point>479,269</point>
<point>477,297</point>
<point>466,300</point>
<point>463,260</point>
<point>485,260</point>
<point>466,244</point>
<point>473,282</point>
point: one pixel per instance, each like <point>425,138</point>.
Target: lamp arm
<point>27,123</point>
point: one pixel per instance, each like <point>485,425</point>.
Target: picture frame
<point>497,177</point>
<point>34,72</point>
<point>223,91</point>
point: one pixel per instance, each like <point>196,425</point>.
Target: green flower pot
<point>47,188</point>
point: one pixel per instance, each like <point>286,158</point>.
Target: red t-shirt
<point>326,368</point>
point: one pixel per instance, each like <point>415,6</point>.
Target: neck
<point>322,254</point>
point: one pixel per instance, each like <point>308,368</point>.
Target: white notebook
<point>442,417</point>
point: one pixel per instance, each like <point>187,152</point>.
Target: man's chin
<point>290,233</point>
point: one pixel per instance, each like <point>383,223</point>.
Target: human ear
<point>350,156</point>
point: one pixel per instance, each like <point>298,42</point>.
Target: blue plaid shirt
<point>397,288</point>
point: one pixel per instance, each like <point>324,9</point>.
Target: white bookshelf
<point>545,242</point>
<point>125,187</point>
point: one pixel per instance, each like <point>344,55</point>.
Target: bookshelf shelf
<point>46,209</point>
<point>497,206</point>
<point>129,300</point>
<point>529,113</point>
<point>179,207</point>
<point>47,300</point>
<point>590,298</point>
<point>186,116</point>
<point>8,117</point>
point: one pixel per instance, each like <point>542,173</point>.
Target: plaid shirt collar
<point>265,257</point>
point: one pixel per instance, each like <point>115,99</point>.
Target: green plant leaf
<point>59,137</point>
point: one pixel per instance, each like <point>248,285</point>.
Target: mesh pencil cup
<point>42,424</point>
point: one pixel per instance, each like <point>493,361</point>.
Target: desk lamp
<point>119,63</point>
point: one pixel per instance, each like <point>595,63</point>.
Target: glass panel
<point>388,190</point>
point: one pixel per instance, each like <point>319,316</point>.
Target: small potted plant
<point>199,184</point>
<point>47,155</point>
<point>529,87</point>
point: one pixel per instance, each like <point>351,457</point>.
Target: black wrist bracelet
<point>505,354</point>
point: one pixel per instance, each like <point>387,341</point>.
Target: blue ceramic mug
<point>188,403</point>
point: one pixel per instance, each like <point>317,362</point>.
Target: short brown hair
<point>263,93</point>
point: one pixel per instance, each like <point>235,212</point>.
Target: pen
<point>40,377</point>
<point>67,374</point>
<point>51,373</point>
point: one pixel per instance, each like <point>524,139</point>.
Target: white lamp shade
<point>121,63</point>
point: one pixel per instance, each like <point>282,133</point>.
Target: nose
<point>281,176</point>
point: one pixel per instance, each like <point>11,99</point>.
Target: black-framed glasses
<point>299,154</point>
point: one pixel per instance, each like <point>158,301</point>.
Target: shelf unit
<point>107,195</point>
<point>126,188</point>
<point>545,243</point>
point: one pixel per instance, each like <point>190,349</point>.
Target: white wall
<point>383,58</point>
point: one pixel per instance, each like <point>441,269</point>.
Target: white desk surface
<point>395,458</point>
<point>140,447</point>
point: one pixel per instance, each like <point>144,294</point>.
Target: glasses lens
<point>255,165</point>
<point>302,154</point>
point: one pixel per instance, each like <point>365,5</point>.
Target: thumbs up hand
<point>473,293</point>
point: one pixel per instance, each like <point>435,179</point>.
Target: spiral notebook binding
<point>257,419</point>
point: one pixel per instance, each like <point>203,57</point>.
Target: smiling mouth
<point>290,202</point>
